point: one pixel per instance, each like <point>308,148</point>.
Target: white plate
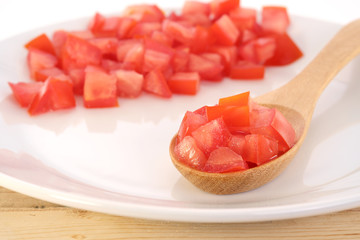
<point>116,160</point>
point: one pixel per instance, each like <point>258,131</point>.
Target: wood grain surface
<point>25,218</point>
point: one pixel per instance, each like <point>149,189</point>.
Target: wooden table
<point>25,218</point>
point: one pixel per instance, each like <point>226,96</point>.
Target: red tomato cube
<point>241,99</point>
<point>260,149</point>
<point>107,46</point>
<point>43,43</point>
<point>195,7</point>
<point>225,31</point>
<point>184,83</point>
<point>38,60</point>
<point>144,13</point>
<point>212,135</point>
<point>247,70</point>
<point>220,7</point>
<point>190,123</point>
<point>237,143</point>
<point>43,74</point>
<point>223,159</point>
<point>207,69</point>
<point>155,83</point>
<point>99,89</point>
<point>243,18</point>
<point>274,19</point>
<point>24,92</point>
<point>181,33</point>
<point>188,152</point>
<point>271,123</point>
<point>259,50</point>
<point>129,83</point>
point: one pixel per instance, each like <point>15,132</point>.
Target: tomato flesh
<point>189,153</point>
<point>24,92</point>
<point>184,83</point>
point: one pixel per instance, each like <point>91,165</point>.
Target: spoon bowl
<point>296,100</point>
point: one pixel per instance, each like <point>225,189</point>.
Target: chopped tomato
<point>77,77</point>
<point>125,26</point>
<point>38,60</point>
<point>24,92</point>
<point>241,99</point>
<point>259,50</point>
<point>144,29</point>
<point>247,70</point>
<point>235,117</point>
<point>202,39</point>
<point>79,53</point>
<point>43,43</point>
<point>207,69</point>
<point>131,54</point>
<point>212,135</point>
<point>223,159</point>
<point>129,83</point>
<point>189,153</point>
<point>220,7</point>
<point>237,144</point>
<point>260,149</point>
<point>144,13</point>
<point>180,59</point>
<point>155,83</point>
<point>101,26</point>
<point>178,31</point>
<point>99,89</point>
<point>275,19</point>
<point>107,46</point>
<point>243,18</point>
<point>184,83</point>
<point>286,51</point>
<point>190,123</point>
<point>225,31</point>
<point>43,74</point>
<point>195,7</point>
<point>270,122</point>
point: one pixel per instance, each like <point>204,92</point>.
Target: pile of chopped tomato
<point>146,50</point>
<point>234,135</point>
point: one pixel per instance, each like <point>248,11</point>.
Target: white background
<point>17,16</point>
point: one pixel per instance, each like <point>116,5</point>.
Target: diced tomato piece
<point>101,26</point>
<point>274,19</point>
<point>189,153</point>
<point>225,31</point>
<point>198,19</point>
<point>271,123</point>
<point>223,159</point>
<point>180,59</point>
<point>79,53</point>
<point>144,13</point>
<point>43,74</point>
<point>228,56</point>
<point>55,94</point>
<point>247,70</point>
<point>24,92</point>
<point>184,83</point>
<point>178,31</point>
<point>235,117</point>
<point>201,111</point>
<point>99,88</point>
<point>155,59</point>
<point>237,143</point>
<point>144,29</point>
<point>108,46</point>
<point>190,123</point>
<point>220,7</point>
<point>202,40</point>
<point>259,50</point>
<point>110,65</point>
<point>131,54</point>
<point>243,18</point>
<point>195,7</point>
<point>207,69</point>
<point>155,83</point>
<point>129,83</point>
<point>260,149</point>
<point>162,38</point>
<point>60,36</point>
<point>286,51</point>
<point>38,60</point>
<point>241,99</point>
<point>212,135</point>
<point>77,77</point>
<point>125,26</point>
<point>43,43</point>
<point>248,35</point>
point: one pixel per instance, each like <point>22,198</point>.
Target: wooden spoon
<point>296,100</point>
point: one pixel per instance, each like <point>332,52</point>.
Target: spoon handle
<point>303,91</point>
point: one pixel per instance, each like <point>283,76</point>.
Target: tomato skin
<point>155,83</point>
<point>189,153</point>
<point>184,83</point>
<point>241,99</point>
<point>38,60</point>
<point>43,43</point>
<point>223,160</point>
<point>235,117</point>
<point>99,89</point>
<point>24,92</point>
<point>275,19</point>
<point>247,70</point>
